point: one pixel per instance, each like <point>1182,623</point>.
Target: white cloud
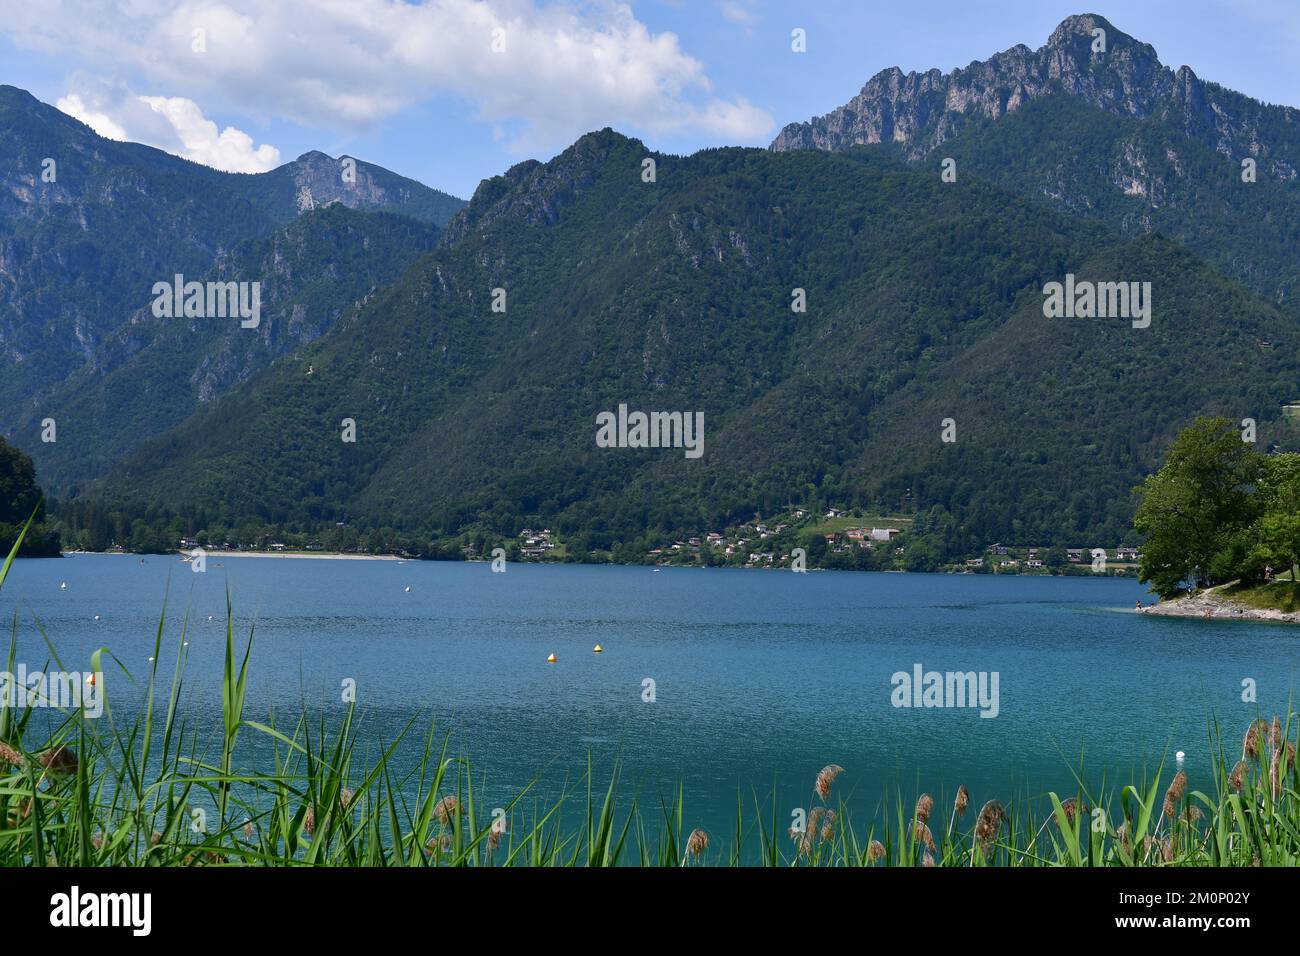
<point>174,124</point>
<point>231,149</point>
<point>566,67</point>
<point>738,11</point>
<point>99,122</point>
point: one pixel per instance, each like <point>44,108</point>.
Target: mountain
<point>924,303</point>
<point>314,180</point>
<point>1114,135</point>
<point>89,225</point>
<point>152,373</point>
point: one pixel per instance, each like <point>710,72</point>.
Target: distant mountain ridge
<point>315,179</point>
<point>153,373</point>
<point>921,110</point>
<point>88,226</point>
<point>925,304</point>
<point>1114,135</point>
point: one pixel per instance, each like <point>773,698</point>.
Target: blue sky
<point>419,88</point>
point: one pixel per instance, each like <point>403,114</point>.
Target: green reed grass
<point>98,793</point>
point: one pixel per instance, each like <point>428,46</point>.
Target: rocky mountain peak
<point>921,110</point>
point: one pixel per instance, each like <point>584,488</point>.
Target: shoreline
<point>1210,605</point>
<point>309,555</point>
<point>337,556</point>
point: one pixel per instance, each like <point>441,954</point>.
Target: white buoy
<point>408,589</point>
<point>63,586</point>
<point>96,617</point>
<point>1179,757</point>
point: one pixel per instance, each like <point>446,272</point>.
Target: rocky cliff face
<point>919,111</point>
<point>317,180</point>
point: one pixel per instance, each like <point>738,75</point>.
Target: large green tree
<point>1278,528</point>
<point>1196,504</point>
<point>20,498</point>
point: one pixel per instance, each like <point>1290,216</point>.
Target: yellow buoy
<point>551,659</point>
<point>598,648</point>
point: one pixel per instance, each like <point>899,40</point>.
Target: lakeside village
<point>833,540</point>
<point>839,540</point>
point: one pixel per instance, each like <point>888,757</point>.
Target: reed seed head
<point>990,822</point>
<point>876,851</point>
<point>827,777</point>
<point>923,807</point>
<point>828,825</point>
<point>923,835</point>
<point>962,801</point>
<point>1071,808</point>
<point>1175,793</point>
<point>1237,778</point>
<point>58,760</point>
<point>1250,744</point>
<point>10,756</point>
<point>446,809</point>
<point>697,842</point>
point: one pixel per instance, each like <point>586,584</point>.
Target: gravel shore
<point>1214,604</point>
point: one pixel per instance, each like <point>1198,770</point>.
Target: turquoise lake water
<point>760,677</point>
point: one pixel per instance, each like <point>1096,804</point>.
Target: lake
<point>760,677</point>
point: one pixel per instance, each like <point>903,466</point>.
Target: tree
<point>1278,529</point>
<point>1195,504</point>
<point>20,499</point>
